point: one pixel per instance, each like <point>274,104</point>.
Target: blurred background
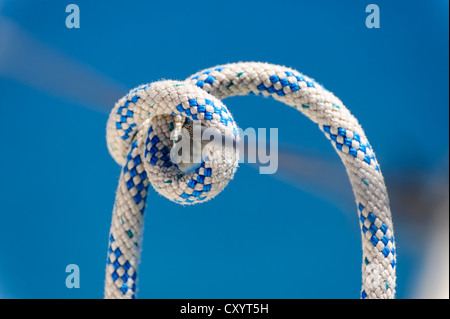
<point>294,234</point>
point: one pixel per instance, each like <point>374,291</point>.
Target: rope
<point>143,128</point>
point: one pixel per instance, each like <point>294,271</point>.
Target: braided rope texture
<point>139,137</point>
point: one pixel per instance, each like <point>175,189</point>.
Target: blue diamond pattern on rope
<point>209,79</point>
<point>224,116</point>
<point>125,113</point>
<point>196,195</point>
<point>152,147</point>
<point>352,146</point>
<point>378,233</point>
<point>287,82</point>
<point>129,274</point>
<point>136,176</point>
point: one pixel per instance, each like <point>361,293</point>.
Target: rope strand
<point>140,138</point>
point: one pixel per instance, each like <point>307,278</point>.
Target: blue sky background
<point>261,237</point>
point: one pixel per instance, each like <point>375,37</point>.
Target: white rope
<point>139,133</point>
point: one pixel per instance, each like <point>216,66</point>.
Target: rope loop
<point>162,111</point>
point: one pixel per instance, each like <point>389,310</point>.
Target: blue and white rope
<point>139,133</point>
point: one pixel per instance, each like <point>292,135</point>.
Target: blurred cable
<point>28,61</point>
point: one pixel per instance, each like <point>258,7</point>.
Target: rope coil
<point>142,131</point>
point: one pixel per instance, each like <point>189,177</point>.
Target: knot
<point>171,123</point>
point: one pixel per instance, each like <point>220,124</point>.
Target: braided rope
<point>139,133</point>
